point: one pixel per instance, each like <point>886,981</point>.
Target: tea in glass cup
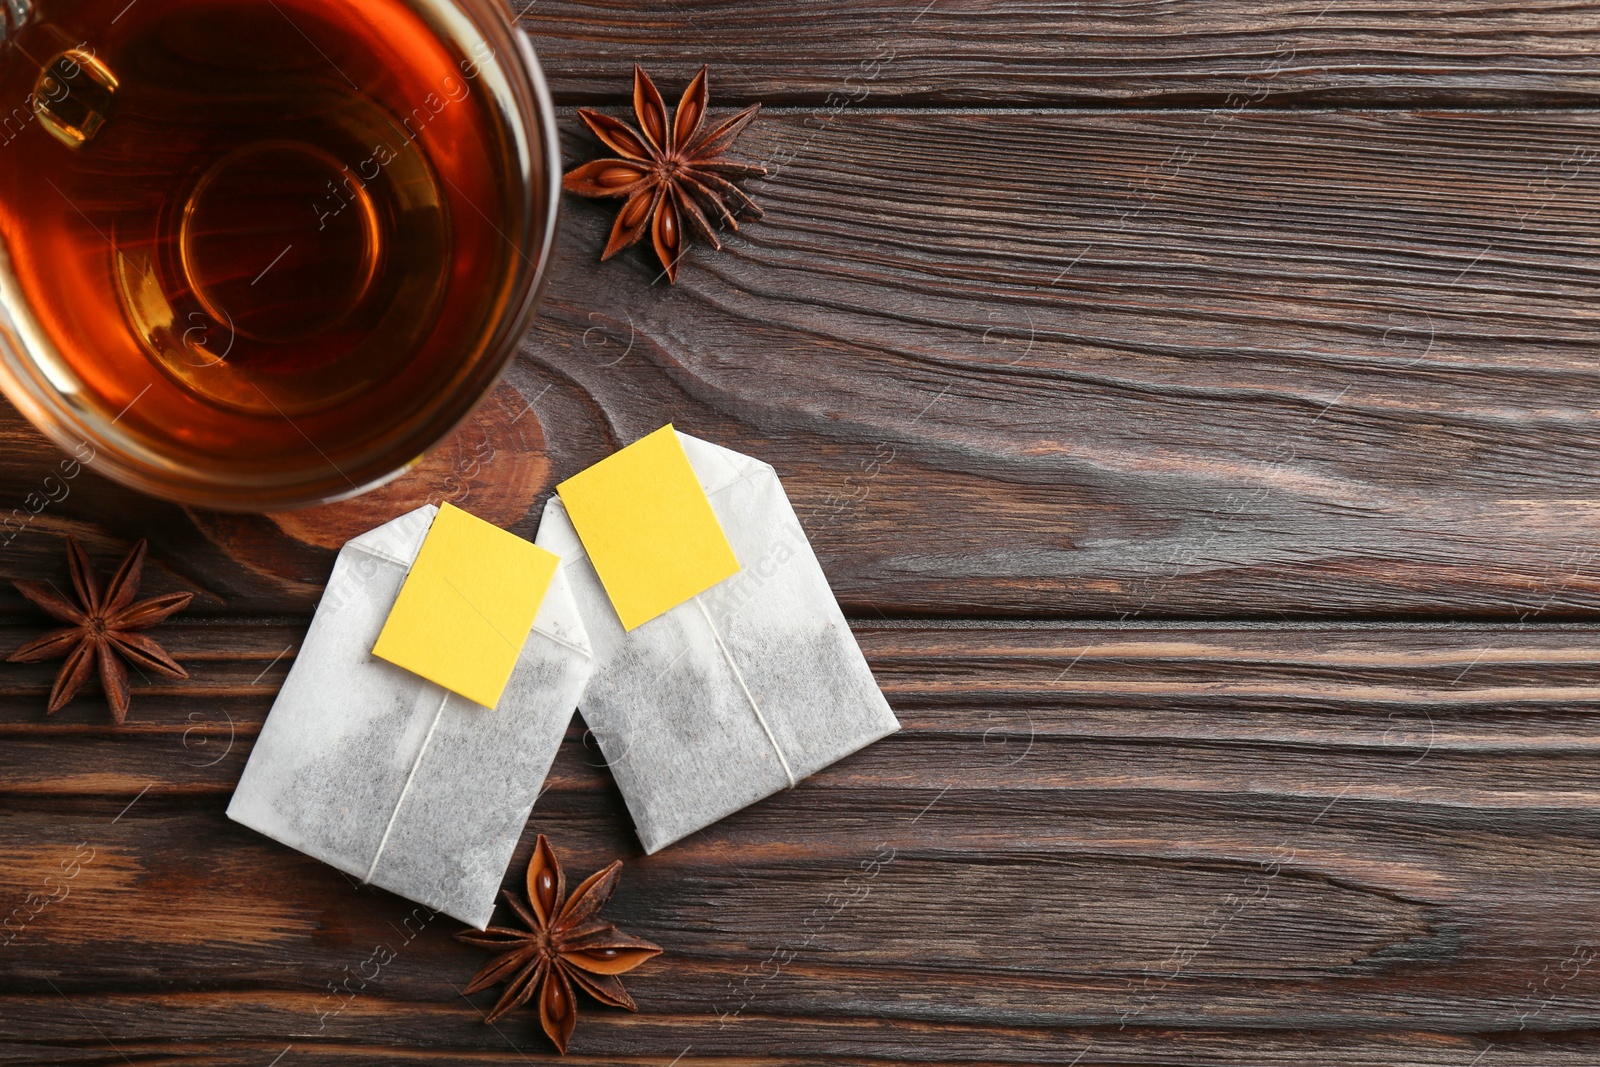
<point>261,253</point>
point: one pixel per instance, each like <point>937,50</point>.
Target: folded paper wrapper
<point>390,777</point>
<point>737,693</point>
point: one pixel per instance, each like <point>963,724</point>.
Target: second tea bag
<point>724,669</point>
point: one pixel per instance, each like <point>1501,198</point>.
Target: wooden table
<point>1194,406</point>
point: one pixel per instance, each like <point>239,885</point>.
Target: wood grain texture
<point>1211,483</point>
<point>1113,364</point>
<point>1325,364</point>
<point>1221,53</point>
<point>1157,843</point>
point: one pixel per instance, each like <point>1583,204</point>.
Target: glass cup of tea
<point>256,254</point>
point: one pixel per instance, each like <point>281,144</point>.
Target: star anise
<point>101,629</point>
<point>672,173</point>
<point>566,943</point>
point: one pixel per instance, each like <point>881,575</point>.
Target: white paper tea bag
<point>390,777</point>
<point>737,692</point>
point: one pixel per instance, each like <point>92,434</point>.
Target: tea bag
<point>392,778</point>
<point>743,688</point>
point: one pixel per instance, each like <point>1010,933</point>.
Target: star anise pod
<point>566,943</point>
<point>101,629</point>
<point>672,173</point>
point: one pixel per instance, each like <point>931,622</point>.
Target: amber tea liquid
<point>264,231</point>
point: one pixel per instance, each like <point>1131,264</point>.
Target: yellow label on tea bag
<point>648,528</point>
<point>467,606</point>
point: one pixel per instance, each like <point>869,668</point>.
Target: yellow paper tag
<point>467,606</point>
<point>648,528</point>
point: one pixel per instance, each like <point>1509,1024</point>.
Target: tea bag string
<point>410,777</point>
<point>749,696</point>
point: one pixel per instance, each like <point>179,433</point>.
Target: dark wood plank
<point>1227,54</point>
<point>1060,365</point>
<point>1157,843</point>
<point>1240,361</point>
